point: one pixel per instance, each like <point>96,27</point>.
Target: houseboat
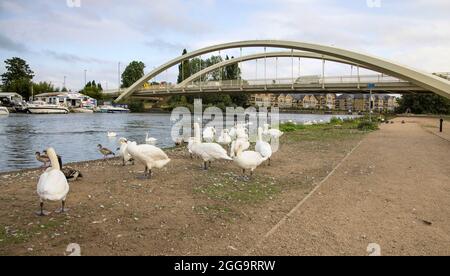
<point>41,107</point>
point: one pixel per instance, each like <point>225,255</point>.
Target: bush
<point>336,121</point>
<point>291,127</point>
<point>367,126</point>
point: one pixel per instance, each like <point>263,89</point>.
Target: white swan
<point>248,160</point>
<point>272,133</point>
<point>52,184</point>
<point>209,134</point>
<point>150,156</point>
<point>207,151</point>
<point>225,138</point>
<point>112,134</point>
<point>150,140</point>
<point>263,147</point>
<point>123,151</point>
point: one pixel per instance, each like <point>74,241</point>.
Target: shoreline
<point>181,210</point>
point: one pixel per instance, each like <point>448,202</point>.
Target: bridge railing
<point>302,80</point>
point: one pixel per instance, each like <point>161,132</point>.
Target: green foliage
<point>291,127</point>
<point>136,106</point>
<point>193,66</point>
<point>424,104</point>
<point>184,70</point>
<point>93,90</point>
<point>133,72</point>
<point>18,77</point>
<point>336,121</point>
<point>367,126</point>
<point>44,87</point>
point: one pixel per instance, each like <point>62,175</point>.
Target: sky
<point>63,38</point>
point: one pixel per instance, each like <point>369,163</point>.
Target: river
<point>76,136</point>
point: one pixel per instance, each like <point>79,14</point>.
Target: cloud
<point>10,45</point>
<point>71,58</point>
<point>160,44</point>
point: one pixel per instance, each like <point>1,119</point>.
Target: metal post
<point>359,79</point>
<point>256,78</point>
<point>85,82</point>
<point>118,76</point>
<point>299,72</point>
<point>323,74</point>
<point>64,85</point>
<point>220,72</point>
<point>441,127</point>
<point>292,68</point>
<point>240,72</point>
<point>276,70</point>
<point>370,106</point>
<point>265,68</point>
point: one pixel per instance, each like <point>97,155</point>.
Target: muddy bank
<point>182,210</point>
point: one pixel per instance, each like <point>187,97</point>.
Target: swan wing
<point>152,152</point>
<point>52,185</point>
<point>264,149</point>
<point>215,151</point>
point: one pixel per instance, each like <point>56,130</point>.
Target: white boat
<point>4,110</point>
<point>113,109</point>
<point>40,107</point>
<point>82,110</point>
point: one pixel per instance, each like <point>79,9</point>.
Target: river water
<point>75,136</point>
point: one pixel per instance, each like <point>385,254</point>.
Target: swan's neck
<point>197,133</point>
<point>260,131</point>
<point>53,159</point>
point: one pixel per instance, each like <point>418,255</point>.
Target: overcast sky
<point>58,40</point>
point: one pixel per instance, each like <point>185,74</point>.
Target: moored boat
<point>4,110</point>
<point>113,109</point>
<point>40,107</point>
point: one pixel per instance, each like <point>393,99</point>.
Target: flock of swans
<point>53,183</point>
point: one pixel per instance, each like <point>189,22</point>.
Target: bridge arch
<point>260,56</point>
<point>425,80</point>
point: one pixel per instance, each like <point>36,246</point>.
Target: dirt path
<point>394,190</point>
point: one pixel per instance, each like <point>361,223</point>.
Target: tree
<point>43,87</point>
<point>184,70</point>
<point>424,104</point>
<point>93,90</point>
<point>18,77</point>
<point>133,72</point>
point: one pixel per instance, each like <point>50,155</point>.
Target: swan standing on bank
<point>52,184</point>
<point>123,152</point>
<point>209,134</point>
<point>262,146</point>
<point>207,151</point>
<point>272,133</point>
<point>242,141</point>
<point>225,138</point>
<point>247,160</point>
<point>148,155</point>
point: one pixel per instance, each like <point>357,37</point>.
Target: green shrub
<point>336,121</point>
<point>367,126</point>
<point>291,127</point>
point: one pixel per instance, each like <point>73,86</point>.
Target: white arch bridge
<point>391,77</point>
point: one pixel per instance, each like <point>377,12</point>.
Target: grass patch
<point>228,187</point>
